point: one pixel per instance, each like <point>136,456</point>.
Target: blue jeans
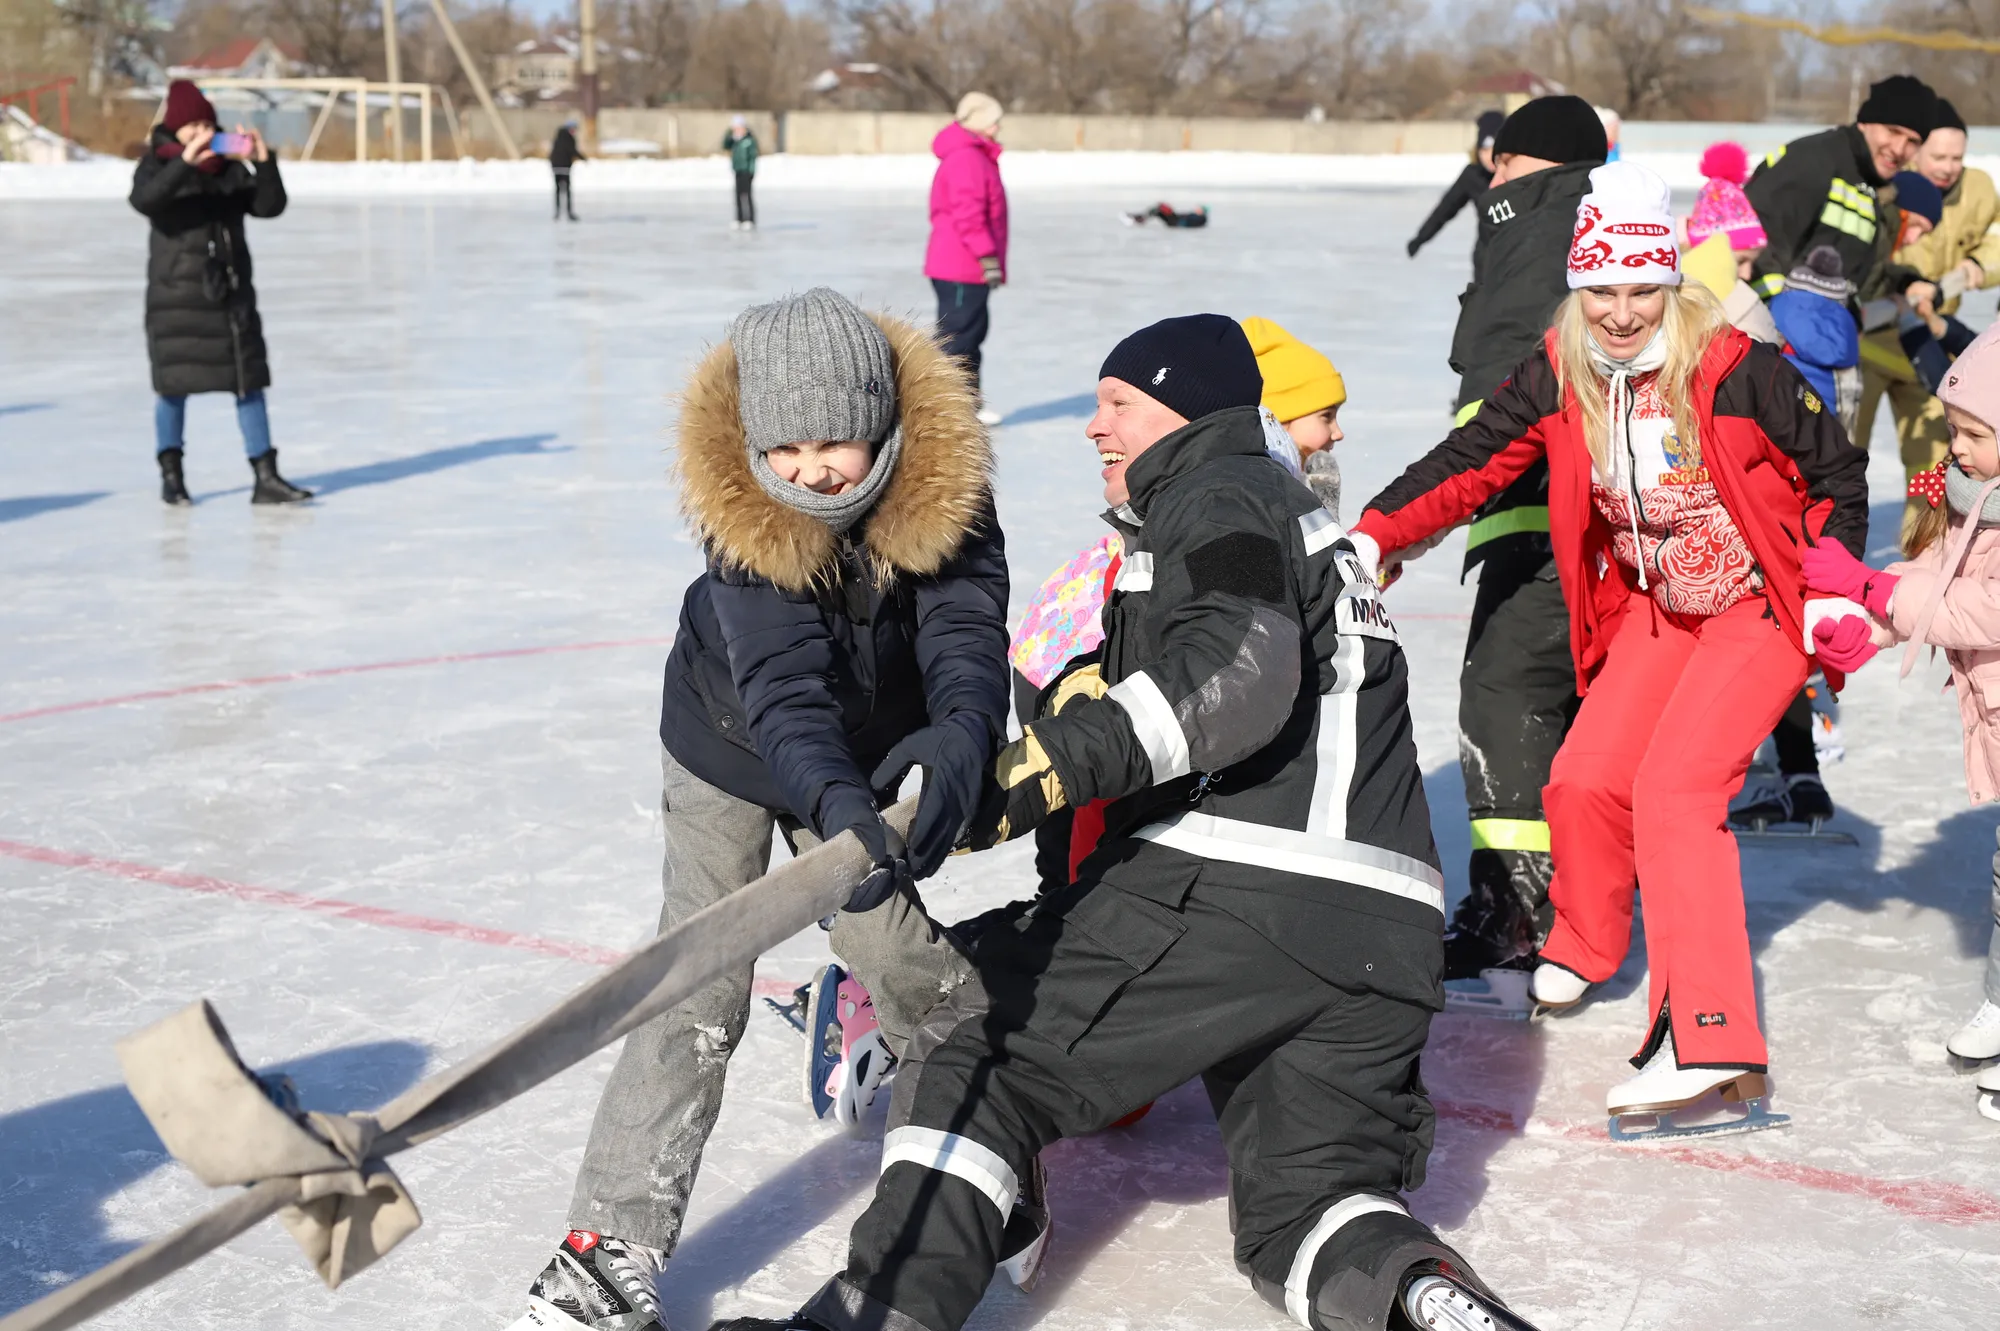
<point>170,423</point>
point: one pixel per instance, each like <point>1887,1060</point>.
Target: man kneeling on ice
<point>1264,910</point>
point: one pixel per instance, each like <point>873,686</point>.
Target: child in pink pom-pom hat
<point>1723,207</point>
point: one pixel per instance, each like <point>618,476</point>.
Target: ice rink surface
<point>297,761</point>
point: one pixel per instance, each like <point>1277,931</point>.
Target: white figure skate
<point>1979,1039</point>
<point>1667,1100</point>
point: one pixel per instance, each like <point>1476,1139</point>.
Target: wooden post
<point>465,62</point>
<point>361,122</point>
<point>425,125</point>
<point>586,76</point>
<point>395,71</point>
<point>319,126</point>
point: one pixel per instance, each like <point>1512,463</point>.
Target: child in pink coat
<point>1947,596</point>
<point>967,255</point>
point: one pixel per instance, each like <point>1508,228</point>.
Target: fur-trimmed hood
<point>943,482</point>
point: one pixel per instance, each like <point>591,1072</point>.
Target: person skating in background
<point>967,255</point>
<point>1947,595</point>
<point>1957,254</point>
<point>1174,219</point>
<point>1303,392</point>
<point>1269,880</point>
<point>563,157</point>
<point>1517,688</point>
<point>851,623</point>
<point>203,332</point>
<point>740,142</point>
<point>1689,467</point>
<point>1821,189</point>
<point>1473,181</point>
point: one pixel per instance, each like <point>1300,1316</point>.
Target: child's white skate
<point>1555,988</point>
<point>846,1058</point>
<point>1979,1039</point>
<point>1499,991</point>
<point>1988,1083</point>
<point>1667,1100</point>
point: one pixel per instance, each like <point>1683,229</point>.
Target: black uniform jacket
<point>1819,190</point>
<point>1256,736</point>
<point>1520,273</point>
<point>1471,183</point>
<point>202,329</point>
<point>802,656</point>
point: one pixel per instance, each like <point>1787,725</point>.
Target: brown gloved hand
<point>989,266</point>
<point>1024,791</point>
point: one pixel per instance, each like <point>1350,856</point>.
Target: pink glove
<point>1846,643</point>
<point>1831,569</point>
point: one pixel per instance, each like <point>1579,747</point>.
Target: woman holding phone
<point>202,330</point>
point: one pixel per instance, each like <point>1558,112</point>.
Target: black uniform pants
<point>565,203</point>
<point>746,206</point>
<point>1516,699</point>
<point>1098,1002</point>
<point>1797,754</point>
<point>962,321</point>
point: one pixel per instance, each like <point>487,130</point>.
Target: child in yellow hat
<point>1304,392</point>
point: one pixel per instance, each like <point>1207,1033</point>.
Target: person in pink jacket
<point>1947,595</point>
<point>967,255</point>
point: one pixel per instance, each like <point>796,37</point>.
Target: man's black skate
<point>1789,808</point>
<point>595,1283</point>
<point>1436,1302</point>
<point>173,486</point>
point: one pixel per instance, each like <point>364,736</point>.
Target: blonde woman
<point>1688,466</point>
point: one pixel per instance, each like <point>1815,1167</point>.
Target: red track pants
<point>1640,793</point>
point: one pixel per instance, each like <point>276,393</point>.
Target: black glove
<point>954,754</point>
<point>1024,790</point>
<point>846,808</point>
<point>1412,248</point>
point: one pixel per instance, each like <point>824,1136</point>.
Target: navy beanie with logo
<point>1195,364</point>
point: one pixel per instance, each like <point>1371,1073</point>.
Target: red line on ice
<point>1945,1203</point>
<point>326,672</point>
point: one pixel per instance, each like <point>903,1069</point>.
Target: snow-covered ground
<point>435,692</point>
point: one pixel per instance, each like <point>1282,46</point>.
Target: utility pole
<point>586,71</point>
<point>395,71</point>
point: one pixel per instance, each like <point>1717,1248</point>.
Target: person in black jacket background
<point>1472,182</point>
<point>1517,689</point>
<point>203,333</point>
<point>564,154</point>
<point>852,623</point>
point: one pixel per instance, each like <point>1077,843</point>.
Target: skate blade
<point>1482,998</point>
<point>1989,1105</point>
<point>546,1317</point>
<point>1665,1126</point>
<point>793,1013</point>
<point>1790,834</point>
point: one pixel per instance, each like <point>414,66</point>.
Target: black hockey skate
<point>1435,1302</point>
<point>595,1284</point>
<point>1026,1239</point>
<point>1489,951</point>
<point>1788,808</point>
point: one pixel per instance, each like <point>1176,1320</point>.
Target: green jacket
<point>742,150</point>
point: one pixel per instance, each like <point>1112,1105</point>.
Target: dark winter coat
<point>1256,737</point>
<point>1819,190</point>
<point>742,150</point>
<point>1471,183</point>
<point>1780,462</point>
<point>803,657</point>
<point>203,332</point>
<point>1520,273</point>
<point>563,153</point>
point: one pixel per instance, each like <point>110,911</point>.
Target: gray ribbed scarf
<point>840,511</point>
<point>1962,492</point>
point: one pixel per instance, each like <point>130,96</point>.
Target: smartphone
<point>231,145</point>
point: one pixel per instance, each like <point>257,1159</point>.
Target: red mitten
<point>1844,644</point>
<point>1829,568</point>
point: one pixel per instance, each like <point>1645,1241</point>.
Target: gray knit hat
<point>812,367</point>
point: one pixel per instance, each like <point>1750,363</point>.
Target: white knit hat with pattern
<point>1624,231</point>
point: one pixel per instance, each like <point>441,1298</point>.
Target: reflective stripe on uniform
<point>1154,722</point>
<point>1301,853</point>
<point>1298,1298</point>
<point>1510,834</point>
<point>1320,530</point>
<point>1135,572</point>
<point>1775,156</point>
<point>1334,746</point>
<point>1465,413</point>
<point>1507,522</point>
<point>1769,285</point>
<point>961,1157</point>
<point>1849,211</point>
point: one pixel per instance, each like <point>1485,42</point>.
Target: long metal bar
<point>471,68</point>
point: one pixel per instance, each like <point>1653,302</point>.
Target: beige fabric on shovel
<point>343,1205</point>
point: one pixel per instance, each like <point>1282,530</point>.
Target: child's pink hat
<point>1722,205</point>
<point>1973,382</point>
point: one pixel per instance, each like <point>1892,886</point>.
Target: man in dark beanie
<point>1820,190</point>
<point>1517,687</point>
<point>1263,910</point>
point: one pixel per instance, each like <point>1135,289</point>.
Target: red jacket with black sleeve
<point>1781,464</point>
